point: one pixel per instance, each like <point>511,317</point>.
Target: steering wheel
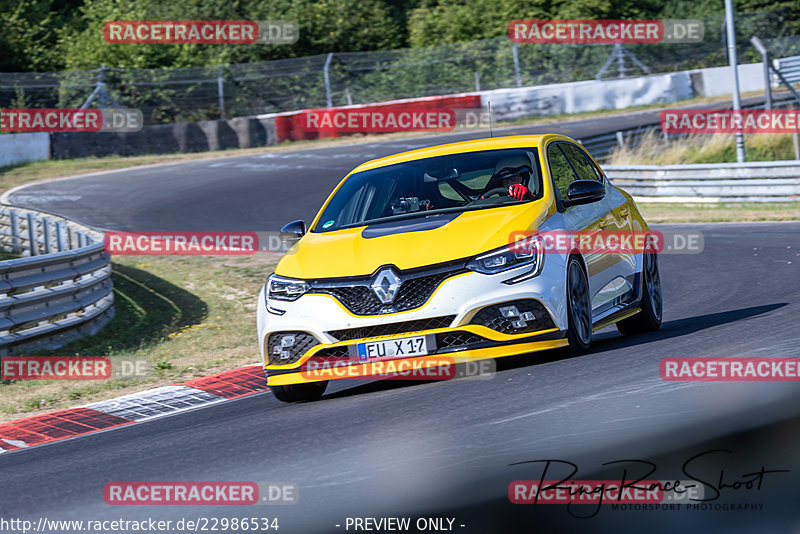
<point>503,191</point>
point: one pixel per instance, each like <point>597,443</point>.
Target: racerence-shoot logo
<point>729,121</point>
<point>200,32</point>
<point>53,120</point>
<point>602,31</point>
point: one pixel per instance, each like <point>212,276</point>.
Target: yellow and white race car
<point>471,251</point>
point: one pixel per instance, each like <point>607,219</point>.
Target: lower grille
<point>288,347</point>
<point>447,340</point>
<point>332,353</point>
<point>444,340</point>
<point>531,316</point>
<point>430,323</point>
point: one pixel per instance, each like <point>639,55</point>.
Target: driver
<point>512,173</point>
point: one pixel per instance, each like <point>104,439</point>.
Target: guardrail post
<point>796,145</point>
<point>326,75</point>
<point>60,237</point>
<point>48,238</point>
<point>221,94</point>
<point>80,239</point>
<point>33,237</point>
<point>515,55</point>
<point>765,60</point>
<point>15,243</point>
<point>620,139</point>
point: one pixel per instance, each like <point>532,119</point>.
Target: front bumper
<point>448,316</point>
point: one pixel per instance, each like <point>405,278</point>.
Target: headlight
<point>281,288</point>
<point>528,251</point>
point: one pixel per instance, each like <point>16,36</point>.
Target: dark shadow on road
<point>603,343</point>
<point>607,341</point>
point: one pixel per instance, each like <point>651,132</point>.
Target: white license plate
<point>392,348</point>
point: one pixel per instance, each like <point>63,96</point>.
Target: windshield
<point>443,184</point>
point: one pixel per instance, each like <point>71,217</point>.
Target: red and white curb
<point>129,409</point>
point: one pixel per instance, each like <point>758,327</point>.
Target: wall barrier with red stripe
<point>288,125</point>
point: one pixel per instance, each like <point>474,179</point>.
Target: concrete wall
<point>577,97</point>
<point>242,132</point>
<point>718,81</point>
<point>23,148</point>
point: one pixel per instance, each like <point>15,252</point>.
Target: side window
<point>447,191</point>
<point>583,167</point>
<point>560,169</point>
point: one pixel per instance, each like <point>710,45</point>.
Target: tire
<point>309,391</point>
<point>579,308</point>
<point>649,319</point>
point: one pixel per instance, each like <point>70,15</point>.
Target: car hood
<point>408,243</point>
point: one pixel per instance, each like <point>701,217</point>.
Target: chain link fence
<point>199,93</point>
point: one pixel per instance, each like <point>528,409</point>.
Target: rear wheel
<point>649,318</point>
<point>579,308</point>
<point>299,392</point>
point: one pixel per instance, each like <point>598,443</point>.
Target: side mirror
<point>584,192</point>
<point>292,232</point>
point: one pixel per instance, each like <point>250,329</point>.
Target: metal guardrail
<point>789,67</point>
<point>602,146</point>
<point>760,181</point>
<point>61,291</point>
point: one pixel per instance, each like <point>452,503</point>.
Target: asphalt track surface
<point>445,449</point>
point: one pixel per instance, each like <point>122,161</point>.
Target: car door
<point>583,218</point>
<point>617,262</point>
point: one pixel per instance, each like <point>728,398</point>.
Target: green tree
<point>30,31</point>
<point>325,26</point>
<point>450,21</point>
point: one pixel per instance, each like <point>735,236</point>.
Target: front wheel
<point>310,391</point>
<point>649,318</point>
<point>579,308</point>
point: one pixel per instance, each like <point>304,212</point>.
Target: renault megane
<point>444,251</point>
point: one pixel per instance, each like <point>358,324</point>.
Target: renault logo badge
<point>385,285</point>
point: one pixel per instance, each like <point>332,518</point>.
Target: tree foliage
<point>46,35</point>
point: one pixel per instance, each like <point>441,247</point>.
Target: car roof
<point>473,145</point>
